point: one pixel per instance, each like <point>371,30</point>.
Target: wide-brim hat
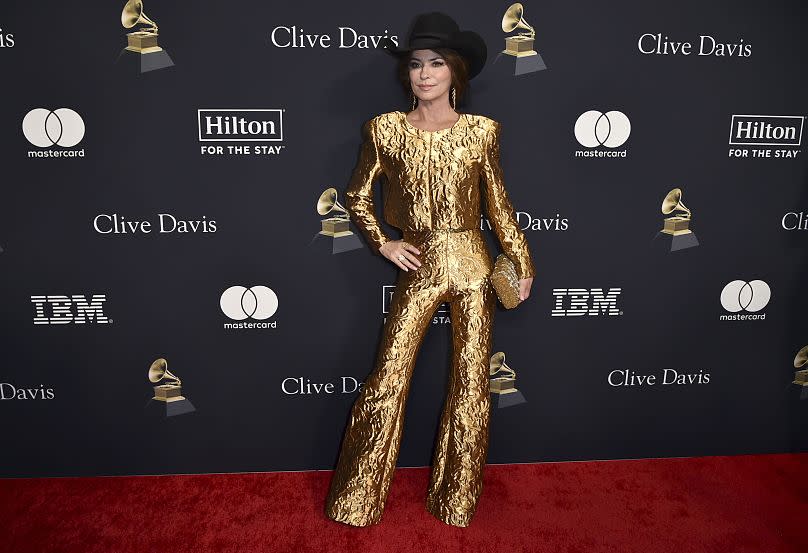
<point>438,30</point>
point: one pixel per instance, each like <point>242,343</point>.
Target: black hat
<point>438,30</point>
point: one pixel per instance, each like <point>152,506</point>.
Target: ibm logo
<point>574,302</point>
<point>64,310</point>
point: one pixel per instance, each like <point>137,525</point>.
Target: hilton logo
<point>240,125</point>
<point>576,302</point>
<point>765,135</point>
<point>65,310</point>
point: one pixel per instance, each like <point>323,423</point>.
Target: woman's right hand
<point>401,253</point>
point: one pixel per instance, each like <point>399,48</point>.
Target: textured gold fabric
<point>433,197</point>
<point>433,180</point>
<point>505,281</point>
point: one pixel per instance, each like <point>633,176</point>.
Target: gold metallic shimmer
<point>432,191</point>
<point>432,181</point>
<point>505,282</point>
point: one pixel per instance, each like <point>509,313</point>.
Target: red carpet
<point>737,504</point>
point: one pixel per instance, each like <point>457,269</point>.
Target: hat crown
<point>438,30</point>
<point>435,24</point>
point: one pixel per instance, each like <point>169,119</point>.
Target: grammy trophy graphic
<point>520,47</point>
<point>503,386</point>
<point>677,227</point>
<point>168,400</point>
<point>335,235</point>
<point>142,53</point>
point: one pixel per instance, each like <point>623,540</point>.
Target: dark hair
<point>458,65</point>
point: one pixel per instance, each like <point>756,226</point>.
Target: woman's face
<point>430,75</point>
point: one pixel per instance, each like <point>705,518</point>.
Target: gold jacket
<point>433,181</point>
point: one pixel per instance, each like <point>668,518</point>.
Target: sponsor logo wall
<point>163,290</point>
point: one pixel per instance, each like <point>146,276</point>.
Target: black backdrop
<point>142,157</point>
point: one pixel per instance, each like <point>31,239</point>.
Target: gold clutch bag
<point>505,281</point>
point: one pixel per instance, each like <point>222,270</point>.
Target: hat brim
<point>468,44</point>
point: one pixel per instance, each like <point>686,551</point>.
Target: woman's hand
<point>524,287</point>
<point>401,253</point>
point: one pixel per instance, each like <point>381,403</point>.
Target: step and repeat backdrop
<point>182,292</point>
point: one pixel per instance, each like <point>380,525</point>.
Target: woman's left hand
<point>524,287</point>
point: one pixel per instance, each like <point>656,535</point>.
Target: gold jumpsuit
<point>432,193</point>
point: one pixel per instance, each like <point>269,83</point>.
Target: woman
<point>436,162</point>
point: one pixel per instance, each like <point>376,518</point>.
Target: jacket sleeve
<point>500,211</point>
<point>359,194</point>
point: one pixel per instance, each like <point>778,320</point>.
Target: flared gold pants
<point>455,268</point>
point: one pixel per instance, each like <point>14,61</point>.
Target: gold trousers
<point>455,265</point>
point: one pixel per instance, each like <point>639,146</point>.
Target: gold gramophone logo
<point>168,398</point>
<point>503,386</point>
<point>676,228</point>
<point>521,45</point>
<point>335,235</point>
<point>142,49</point>
<point>801,375</point>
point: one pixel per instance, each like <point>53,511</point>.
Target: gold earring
<point>453,98</point>
<point>413,101</point>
